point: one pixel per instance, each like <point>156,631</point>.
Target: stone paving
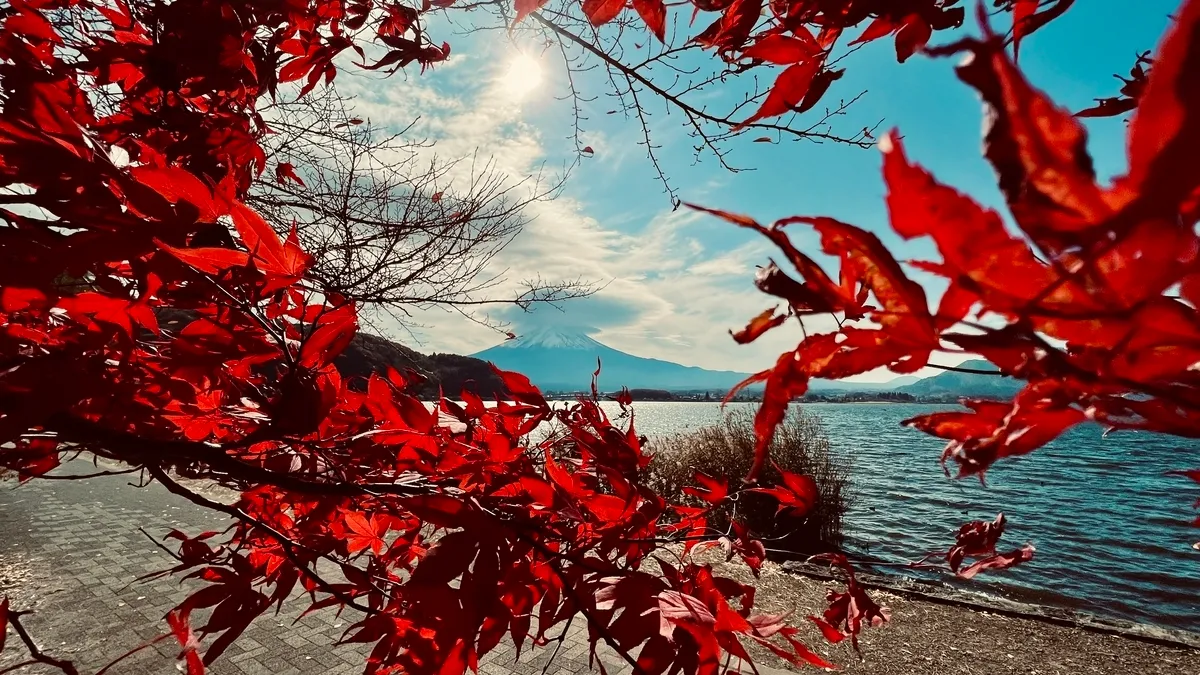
<point>71,551</point>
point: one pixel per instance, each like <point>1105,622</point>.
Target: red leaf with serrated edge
<point>1022,10</point>
<point>524,8</point>
<point>902,299</point>
<point>788,91</point>
<point>364,533</point>
<point>333,332</point>
<point>284,171</point>
<point>880,27</point>
<point>1001,269</point>
<point>999,562</point>
<point>758,325</point>
<point>1039,151</point>
<point>850,611</point>
<point>1163,134</point>
<point>207,260</point>
<point>831,634</point>
<point>189,644</point>
<point>600,12</point>
<point>797,495</point>
<point>782,49</point>
<point>713,490</point>
<point>175,185</point>
<point>913,35</point>
<point>731,32</point>
<point>654,14</point>
<point>520,388</point>
<point>997,430</point>
<point>975,539</point>
<point>264,244</point>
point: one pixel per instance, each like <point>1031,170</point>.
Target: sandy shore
<point>937,639</point>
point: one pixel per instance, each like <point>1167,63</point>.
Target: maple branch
<point>562,637</point>
<point>286,543</point>
<point>687,108</point>
<point>971,371</point>
<point>98,474</point>
<point>599,626</point>
<point>149,453</point>
<point>14,619</point>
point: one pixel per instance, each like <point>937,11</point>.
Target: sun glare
<point>523,76</point>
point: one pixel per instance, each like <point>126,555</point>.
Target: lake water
<point>1113,534</point>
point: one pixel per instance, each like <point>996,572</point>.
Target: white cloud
<point>665,293</point>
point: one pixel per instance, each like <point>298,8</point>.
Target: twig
<point>14,619</point>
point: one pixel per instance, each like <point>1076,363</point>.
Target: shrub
<point>726,450</point>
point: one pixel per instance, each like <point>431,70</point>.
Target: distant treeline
<point>753,397</point>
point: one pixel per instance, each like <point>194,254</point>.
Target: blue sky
<point>675,282</point>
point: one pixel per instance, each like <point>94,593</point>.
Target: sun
<point>524,74</point>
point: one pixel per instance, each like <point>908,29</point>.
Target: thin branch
<point>14,620</point>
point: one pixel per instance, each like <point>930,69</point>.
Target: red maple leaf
<point>364,533</point>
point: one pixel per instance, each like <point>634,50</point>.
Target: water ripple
<point>1112,531</point>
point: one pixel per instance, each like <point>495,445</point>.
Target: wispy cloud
<point>667,290</point>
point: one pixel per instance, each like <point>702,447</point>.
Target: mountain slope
<point>448,373</point>
<point>951,383</point>
<point>561,360</point>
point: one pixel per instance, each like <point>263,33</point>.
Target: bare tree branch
<point>387,224</point>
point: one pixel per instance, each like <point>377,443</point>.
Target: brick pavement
<point>71,550</point>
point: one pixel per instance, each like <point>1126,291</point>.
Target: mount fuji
<point>558,359</point>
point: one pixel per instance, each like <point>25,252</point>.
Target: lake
<point>1113,534</point>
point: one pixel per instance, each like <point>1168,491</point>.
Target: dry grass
<point>726,450</point>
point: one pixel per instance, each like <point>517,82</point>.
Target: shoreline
<point>912,589</point>
<point>931,634</point>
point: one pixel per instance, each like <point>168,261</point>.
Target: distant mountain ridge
<point>954,383</point>
<point>556,359</point>
<point>560,360</point>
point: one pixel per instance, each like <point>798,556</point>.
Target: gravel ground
<point>932,638</point>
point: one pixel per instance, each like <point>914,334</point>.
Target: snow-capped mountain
<point>549,337</point>
<point>560,359</point>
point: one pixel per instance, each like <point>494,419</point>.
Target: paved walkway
<point>70,550</point>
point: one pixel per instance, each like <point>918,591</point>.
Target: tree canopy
<point>131,138</point>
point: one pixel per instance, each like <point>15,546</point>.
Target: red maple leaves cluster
<point>977,540</point>
<point>128,138</point>
<point>802,34</point>
<point>1094,304</point>
<point>129,135</point>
